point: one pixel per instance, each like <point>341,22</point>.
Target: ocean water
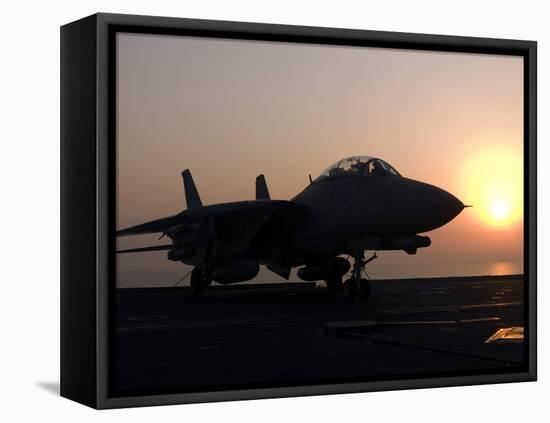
<point>413,270</point>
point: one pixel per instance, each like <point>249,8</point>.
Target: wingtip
<point>124,232</point>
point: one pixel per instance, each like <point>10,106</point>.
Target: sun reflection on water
<point>501,268</point>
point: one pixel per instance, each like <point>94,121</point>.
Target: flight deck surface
<point>255,336</point>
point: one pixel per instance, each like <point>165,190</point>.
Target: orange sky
<point>230,110</point>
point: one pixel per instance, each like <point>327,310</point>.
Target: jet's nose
<point>443,206</point>
<point>433,207</point>
<point>450,206</point>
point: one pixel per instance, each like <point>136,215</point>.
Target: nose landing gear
<point>357,288</point>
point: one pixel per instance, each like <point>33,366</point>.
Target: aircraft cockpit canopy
<point>359,167</point>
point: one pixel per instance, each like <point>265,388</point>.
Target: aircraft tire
<point>350,290</point>
<point>334,284</point>
<point>197,282</point>
<point>365,290</point>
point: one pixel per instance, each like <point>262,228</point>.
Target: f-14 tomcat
<point>358,204</point>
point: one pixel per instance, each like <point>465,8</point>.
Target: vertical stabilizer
<point>191,194</point>
<point>262,193</point>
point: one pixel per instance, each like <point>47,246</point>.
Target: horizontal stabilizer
<point>145,249</point>
<point>191,194</point>
<point>262,193</point>
<point>155,226</point>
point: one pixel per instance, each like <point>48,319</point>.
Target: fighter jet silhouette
<point>358,204</point>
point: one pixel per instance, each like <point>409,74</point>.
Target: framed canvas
<point>256,211</point>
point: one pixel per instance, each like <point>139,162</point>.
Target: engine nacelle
<point>236,271</point>
<point>333,268</point>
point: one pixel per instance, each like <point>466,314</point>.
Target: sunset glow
<point>493,185</point>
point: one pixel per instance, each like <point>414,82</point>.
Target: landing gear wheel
<point>350,290</point>
<point>334,285</point>
<point>357,287</point>
<point>197,282</point>
<point>364,290</point>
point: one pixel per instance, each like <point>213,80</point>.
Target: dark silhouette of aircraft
<point>358,204</point>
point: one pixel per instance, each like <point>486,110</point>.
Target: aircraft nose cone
<point>433,207</point>
<point>444,206</point>
<point>450,205</point>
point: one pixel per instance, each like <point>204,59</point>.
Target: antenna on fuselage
<point>310,180</point>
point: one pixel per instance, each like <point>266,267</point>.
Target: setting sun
<point>493,184</point>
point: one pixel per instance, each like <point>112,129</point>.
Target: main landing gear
<point>357,288</point>
<point>199,281</point>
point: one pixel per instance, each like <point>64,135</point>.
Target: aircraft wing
<point>243,216</point>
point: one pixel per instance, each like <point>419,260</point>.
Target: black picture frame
<point>87,195</point>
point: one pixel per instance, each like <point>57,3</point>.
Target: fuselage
<point>338,211</point>
<point>343,209</point>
